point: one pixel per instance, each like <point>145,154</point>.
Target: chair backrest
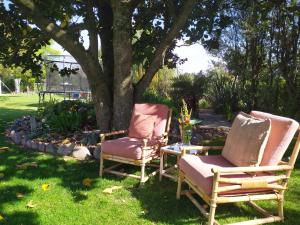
<point>282,132</point>
<point>161,111</point>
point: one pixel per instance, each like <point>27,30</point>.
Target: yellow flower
<point>87,182</point>
<point>1,217</point>
<point>45,187</point>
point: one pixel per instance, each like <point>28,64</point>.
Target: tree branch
<point>61,36</point>
<point>77,27</point>
<point>134,3</point>
<point>92,29</point>
<point>159,55</point>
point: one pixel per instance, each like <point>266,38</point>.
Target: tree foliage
<point>261,50</point>
<point>130,32</point>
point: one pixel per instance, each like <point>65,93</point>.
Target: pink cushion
<point>160,111</point>
<point>198,170</point>
<point>126,147</point>
<point>141,126</point>
<point>282,132</point>
<point>246,141</point>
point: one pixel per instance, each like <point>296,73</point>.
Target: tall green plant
<point>189,87</point>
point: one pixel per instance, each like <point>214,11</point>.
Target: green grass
<point>68,201</point>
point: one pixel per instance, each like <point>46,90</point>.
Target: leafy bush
<point>189,87</point>
<point>152,97</point>
<point>222,92</point>
<point>68,116</point>
<point>65,122</point>
<point>204,104</point>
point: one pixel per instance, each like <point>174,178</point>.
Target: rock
<point>24,141</point>
<point>81,153</point>
<point>65,149</point>
<point>17,138</point>
<point>41,146</point>
<point>34,145</point>
<point>96,152</point>
<point>51,148</point>
<point>12,134</point>
<point>28,143</point>
<point>33,124</point>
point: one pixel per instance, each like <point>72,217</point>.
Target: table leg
<point>166,160</point>
<point>161,165</point>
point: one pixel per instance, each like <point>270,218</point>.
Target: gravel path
<point>212,120</point>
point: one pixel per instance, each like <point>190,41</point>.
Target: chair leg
<point>179,184</point>
<point>212,211</point>
<point>280,208</point>
<point>142,174</point>
<point>101,165</point>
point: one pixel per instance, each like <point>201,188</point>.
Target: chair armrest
<point>251,169</point>
<point>199,148</point>
<point>103,135</point>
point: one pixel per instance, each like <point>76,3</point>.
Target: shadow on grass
<point>8,194</point>
<point>158,200</point>
<point>35,105</point>
<point>70,173</point>
<point>20,217</point>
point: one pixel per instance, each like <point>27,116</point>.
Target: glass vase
<point>186,136</point>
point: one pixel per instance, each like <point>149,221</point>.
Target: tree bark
<point>101,94</point>
<point>122,48</point>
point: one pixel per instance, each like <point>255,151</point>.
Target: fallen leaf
<point>144,211</point>
<point>3,149</point>
<point>87,182</point>
<point>111,189</point>
<point>19,195</point>
<point>1,217</point>
<point>68,158</point>
<point>45,187</point>
<point>1,175</point>
<point>24,166</point>
<point>66,141</point>
<point>21,167</point>
<point>30,204</point>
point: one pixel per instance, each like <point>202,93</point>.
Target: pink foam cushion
<point>246,141</point>
<point>126,147</point>
<point>282,132</point>
<point>198,171</point>
<point>141,126</point>
<point>160,111</point>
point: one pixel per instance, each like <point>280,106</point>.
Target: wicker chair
<point>217,181</point>
<point>136,151</point>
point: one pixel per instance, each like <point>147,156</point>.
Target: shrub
<point>68,116</point>
<point>222,92</point>
<point>204,104</point>
<point>152,97</point>
<point>189,87</point>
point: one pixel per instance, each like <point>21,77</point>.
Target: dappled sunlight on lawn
<point>36,188</point>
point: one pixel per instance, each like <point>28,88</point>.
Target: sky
<point>198,59</point>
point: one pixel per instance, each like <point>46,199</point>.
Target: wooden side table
<point>175,150</point>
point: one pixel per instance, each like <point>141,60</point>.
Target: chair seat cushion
<point>198,171</point>
<point>127,147</point>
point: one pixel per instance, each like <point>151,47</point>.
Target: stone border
<point>78,151</point>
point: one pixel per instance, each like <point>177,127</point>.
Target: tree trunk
<point>100,93</point>
<point>122,48</point>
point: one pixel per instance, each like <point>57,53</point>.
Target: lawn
<point>68,201</point>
